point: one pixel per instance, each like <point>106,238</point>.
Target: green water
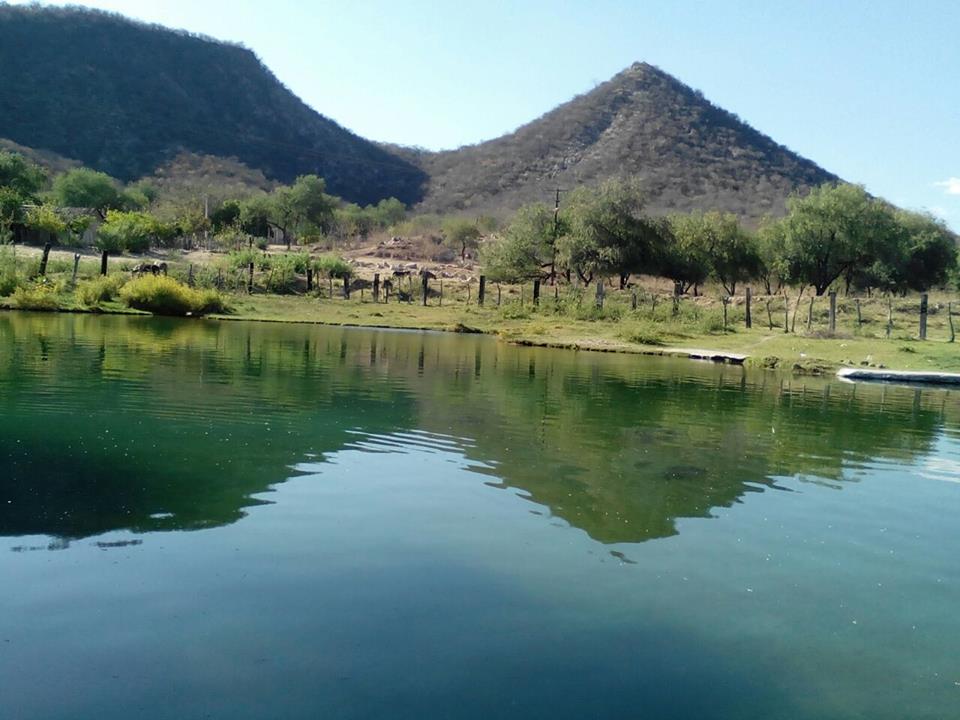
<point>232,520</point>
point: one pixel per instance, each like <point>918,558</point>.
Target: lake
<point>250,520</point>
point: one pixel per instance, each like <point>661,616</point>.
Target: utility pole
<point>556,233</point>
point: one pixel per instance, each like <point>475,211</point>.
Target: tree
<point>227,216</point>
<point>46,219</point>
<point>930,249</point>
<point>461,234</point>
<point>834,230</point>
<point>85,188</point>
<point>923,255</point>
<point>389,212</point>
<point>609,232</point>
<point>20,181</point>
<point>255,215</point>
<point>731,250</point>
<point>525,249</point>
<point>21,175</point>
<point>685,260</point>
<point>771,250</point>
<point>351,220</point>
<point>131,231</point>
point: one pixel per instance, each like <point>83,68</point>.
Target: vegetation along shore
<point>841,278</point>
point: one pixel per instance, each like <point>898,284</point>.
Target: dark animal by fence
<point>153,268</point>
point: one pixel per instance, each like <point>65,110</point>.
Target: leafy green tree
<point>130,231</point>
<point>21,175</point>
<point>389,212</point>
<point>461,234</point>
<point>255,215</point>
<point>923,255</point>
<point>731,250</point>
<point>832,231</point>
<point>351,220</point>
<point>525,249</point>
<point>46,219</point>
<point>930,249</point>
<point>226,215</point>
<point>20,181</point>
<point>609,231</point>
<point>86,188</point>
<point>771,250</point>
<point>685,260</point>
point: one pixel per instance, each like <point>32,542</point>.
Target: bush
<point>334,266</point>
<point>102,289</point>
<point>165,296</point>
<point>242,259</point>
<point>643,333</point>
<point>10,279</point>
<point>37,296</point>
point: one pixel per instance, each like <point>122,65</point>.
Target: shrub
<point>102,289</point>
<point>242,259</point>
<point>10,279</point>
<point>165,296</point>
<point>643,333</point>
<point>334,266</point>
<point>514,311</point>
<point>37,296</point>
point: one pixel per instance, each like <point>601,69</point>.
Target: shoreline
<point>805,365</point>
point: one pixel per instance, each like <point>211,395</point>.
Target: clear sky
<point>869,90</point>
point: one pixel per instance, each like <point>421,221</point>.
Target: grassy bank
<point>647,330</point>
<point>569,317</point>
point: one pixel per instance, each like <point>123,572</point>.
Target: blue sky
<point>869,90</point>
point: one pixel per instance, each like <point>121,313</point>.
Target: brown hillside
<point>643,122</point>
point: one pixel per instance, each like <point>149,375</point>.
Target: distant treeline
<point>836,234</point>
<point>62,208</point>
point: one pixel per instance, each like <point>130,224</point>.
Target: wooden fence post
<point>953,335</point>
<point>43,260</point>
<point>103,263</point>
<point>748,318</point>
<point>536,291</point>
<point>441,292</point>
<point>833,311</point>
<point>190,276</point>
<point>810,313</point>
<point>249,278</point>
<point>859,316</point>
<point>481,293</point>
<point>726,301</point>
<point>309,279</point>
<point>376,287</point>
<point>769,314</point>
<point>346,287</point>
<point>76,264</point>
<point>633,300</point>
<point>924,300</point>
<point>498,294</point>
<point>426,287</point>
<point>600,293</point>
<point>786,312</point>
<point>889,316</point>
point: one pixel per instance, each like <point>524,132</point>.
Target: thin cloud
<point>951,186</point>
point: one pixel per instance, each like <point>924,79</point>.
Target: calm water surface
<point>202,520</point>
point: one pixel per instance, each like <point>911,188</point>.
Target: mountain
<point>127,98</point>
<point>139,100</point>
<point>690,153</point>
